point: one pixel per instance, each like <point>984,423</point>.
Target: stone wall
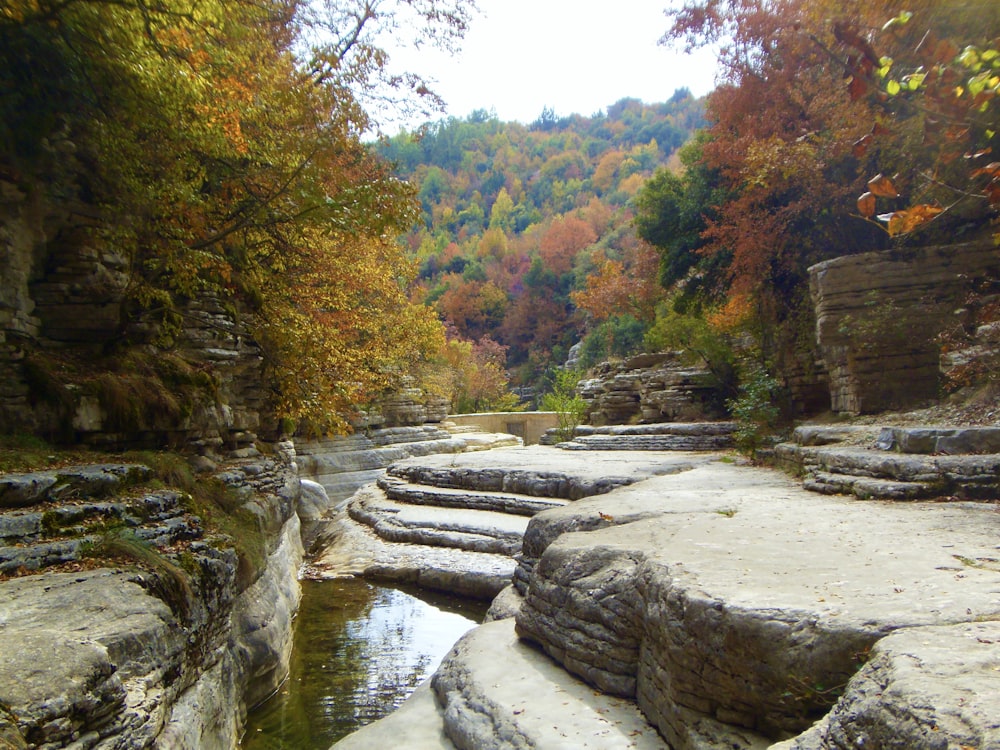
<point>530,426</point>
<point>878,316</point>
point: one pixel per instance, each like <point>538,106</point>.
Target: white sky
<point>573,56</point>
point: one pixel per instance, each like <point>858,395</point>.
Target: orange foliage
<point>619,288</point>
<point>563,240</point>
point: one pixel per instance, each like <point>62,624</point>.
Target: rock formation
<point>650,388</point>
<point>710,605</point>
<point>152,632</point>
<point>448,522</point>
<point>878,316</point>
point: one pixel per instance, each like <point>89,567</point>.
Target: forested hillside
<point>838,128</point>
<point>523,227</point>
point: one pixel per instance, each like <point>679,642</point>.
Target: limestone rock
<point>878,315</point>
<point>922,688</point>
<point>523,700</point>
<point>704,608</point>
<point>650,388</point>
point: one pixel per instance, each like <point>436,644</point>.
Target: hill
<point>515,219</point>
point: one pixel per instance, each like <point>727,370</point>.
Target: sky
<point>572,56</point>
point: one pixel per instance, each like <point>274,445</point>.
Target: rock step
<point>648,443</point>
<point>966,476</point>
<point>867,488</point>
<point>418,720</point>
<point>463,429</point>
<point>31,540</point>
<point>744,593</point>
<point>445,497</point>
<point>660,428</point>
<point>359,551</point>
<point>532,482</point>
<point>496,691</point>
<point>28,526</point>
<point>940,440</point>
<point>92,481</point>
<point>472,530</point>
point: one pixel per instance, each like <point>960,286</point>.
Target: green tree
<point>566,402</point>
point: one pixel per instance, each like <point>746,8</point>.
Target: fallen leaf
<point>883,187</point>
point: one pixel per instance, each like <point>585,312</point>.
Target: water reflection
<point>360,651</point>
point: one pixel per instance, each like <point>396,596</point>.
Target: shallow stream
<point>360,650</point>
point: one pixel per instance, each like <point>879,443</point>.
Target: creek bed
<point>360,650</point>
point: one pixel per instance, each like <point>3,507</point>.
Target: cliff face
<point>66,320</point>
<point>879,318</point>
<point>166,649</point>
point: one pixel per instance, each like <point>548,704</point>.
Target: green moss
<point>173,583</point>
<point>219,506</point>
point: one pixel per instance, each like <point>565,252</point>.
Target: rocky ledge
<point>456,522</point>
<point>723,606</point>
<point>128,619</point>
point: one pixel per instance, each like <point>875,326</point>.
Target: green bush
<point>755,410</point>
<point>617,337</point>
<point>566,402</point>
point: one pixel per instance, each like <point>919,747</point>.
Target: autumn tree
<point>220,145</point>
<point>563,240</point>
<point>789,128</point>
<point>623,287</point>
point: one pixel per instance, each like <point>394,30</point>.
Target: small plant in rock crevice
<point>173,584</point>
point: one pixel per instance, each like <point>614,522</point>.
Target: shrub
<point>755,410</point>
<point>566,402</point>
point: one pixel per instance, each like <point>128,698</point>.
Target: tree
<point>478,378</point>
<point>563,240</point>
<point>626,287</point>
<point>220,143</point>
<point>792,170</point>
<point>563,399</point>
<point>949,95</point>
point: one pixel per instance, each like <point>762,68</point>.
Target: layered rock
<point>455,522</point>
<point>878,316</point>
<point>650,388</point>
<point>165,654</point>
<point>667,436</point>
<point>337,467</point>
<point>895,463</point>
<point>730,608</point>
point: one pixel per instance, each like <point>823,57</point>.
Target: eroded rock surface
<point>165,655</point>
<point>454,522</point>
<point>729,607</point>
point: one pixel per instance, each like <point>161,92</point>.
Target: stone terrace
<point>723,606</point>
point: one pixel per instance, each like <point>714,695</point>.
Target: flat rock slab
<point>524,700</point>
<point>78,648</point>
<point>416,725</point>
<point>542,471</point>
<point>503,502</point>
<point>473,530</point>
<point>739,596</point>
<point>92,480</point>
<point>353,549</point>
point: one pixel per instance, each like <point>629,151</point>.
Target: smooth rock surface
<point>524,700</point>
<point>734,610</point>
